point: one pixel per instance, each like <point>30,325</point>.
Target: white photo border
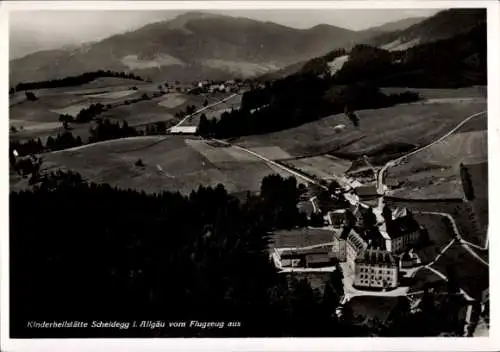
<point>259,344</point>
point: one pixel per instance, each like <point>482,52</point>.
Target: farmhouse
<point>375,268</point>
<point>184,130</point>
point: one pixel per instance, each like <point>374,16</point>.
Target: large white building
<point>376,268</point>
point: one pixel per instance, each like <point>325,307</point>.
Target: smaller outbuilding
<point>184,130</point>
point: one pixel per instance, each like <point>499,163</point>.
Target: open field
<point>140,113</point>
<point>414,124</point>
<point>112,95</point>
<point>173,100</point>
<point>444,93</point>
<point>302,237</point>
<point>213,111</point>
<point>322,167</point>
<point>435,172</point>
<point>40,118</point>
<point>425,277</point>
<point>440,234</point>
<point>171,163</point>
<point>472,275</point>
<point>463,214</point>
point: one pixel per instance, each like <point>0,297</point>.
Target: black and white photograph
<point>226,172</point>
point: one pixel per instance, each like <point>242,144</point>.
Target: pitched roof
<point>318,258</point>
<point>304,252</point>
<point>376,257</point>
<point>401,226</point>
<point>355,239</point>
<point>184,129</point>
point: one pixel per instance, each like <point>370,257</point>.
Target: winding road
<point>394,162</point>
<point>203,109</point>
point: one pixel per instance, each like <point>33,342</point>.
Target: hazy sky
<point>52,28</point>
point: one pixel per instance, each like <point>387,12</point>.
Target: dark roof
<point>376,257</point>
<point>318,258</point>
<point>304,252</point>
<point>356,240</point>
<point>401,226</point>
<point>365,191</point>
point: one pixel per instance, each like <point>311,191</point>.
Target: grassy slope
<point>472,275</point>
<point>416,124</point>
<point>434,172</point>
<point>183,167</point>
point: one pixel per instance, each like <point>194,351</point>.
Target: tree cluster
<point>296,100</point>
<point>106,130</point>
<point>449,63</point>
<point>74,80</point>
<point>32,146</point>
<point>156,128</point>
<point>137,256</point>
<point>88,114</point>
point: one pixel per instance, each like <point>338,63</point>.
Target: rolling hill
<point>445,24</point>
<point>191,46</point>
<point>456,37</point>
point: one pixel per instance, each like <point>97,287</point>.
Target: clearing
<point>171,163</point>
<point>301,237</point>
<point>414,124</point>
<point>322,167</point>
<point>472,275</point>
<point>435,171</point>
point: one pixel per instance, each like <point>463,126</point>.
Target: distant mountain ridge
<point>448,28</point>
<point>195,45</point>
<point>443,25</point>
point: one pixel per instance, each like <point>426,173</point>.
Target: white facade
<point>401,243</point>
<point>376,276</point>
<point>184,129</point>
<point>376,269</point>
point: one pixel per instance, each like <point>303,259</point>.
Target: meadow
<point>415,124</point>
<point>435,171</point>
<point>170,163</point>
<point>472,275</point>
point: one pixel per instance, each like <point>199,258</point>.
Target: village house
<point>184,130</point>
<point>375,268</point>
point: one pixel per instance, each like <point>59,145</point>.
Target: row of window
<point>373,271</point>
<point>367,282</point>
<point>388,278</point>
